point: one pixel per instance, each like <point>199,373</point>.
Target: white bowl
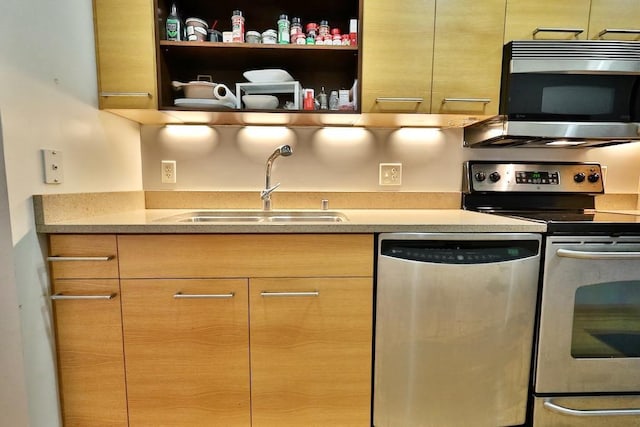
<point>260,102</point>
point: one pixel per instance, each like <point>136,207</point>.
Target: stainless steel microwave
<point>568,92</point>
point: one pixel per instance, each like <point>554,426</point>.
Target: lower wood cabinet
<point>88,329</point>
<point>311,351</point>
<point>187,351</point>
<point>215,330</point>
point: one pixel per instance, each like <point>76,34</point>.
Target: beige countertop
<point>358,221</point>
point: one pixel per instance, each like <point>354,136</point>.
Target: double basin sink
<point>255,216</point>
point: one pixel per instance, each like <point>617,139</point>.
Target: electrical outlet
<point>168,171</point>
<point>390,174</point>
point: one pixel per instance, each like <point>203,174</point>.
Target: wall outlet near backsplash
<point>390,174</point>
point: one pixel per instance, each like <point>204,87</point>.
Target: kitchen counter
<point>128,214</point>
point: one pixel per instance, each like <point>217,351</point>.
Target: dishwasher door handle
<point>568,253</point>
<point>548,403</point>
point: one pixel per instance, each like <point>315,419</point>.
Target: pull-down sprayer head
<point>285,151</point>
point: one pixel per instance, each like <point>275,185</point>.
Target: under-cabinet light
<point>188,130</point>
<point>565,142</point>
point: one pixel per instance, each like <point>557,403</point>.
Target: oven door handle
<point>568,253</point>
<point>548,403</point>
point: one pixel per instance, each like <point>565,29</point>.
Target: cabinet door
<point>615,15</point>
<point>91,375</point>
<point>125,53</point>
<point>187,350</point>
<point>397,51</point>
<point>525,16</point>
<point>311,356</point>
<point>467,56</point>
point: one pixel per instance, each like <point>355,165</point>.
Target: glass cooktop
<point>586,222</point>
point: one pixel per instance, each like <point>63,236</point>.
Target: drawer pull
<point>125,94</point>
<point>180,295</point>
<point>60,296</point>
<point>400,99</point>
<point>617,31</point>
<point>568,253</point>
<point>575,31</point>
<point>290,294</point>
<point>588,412</point>
<point>56,258</point>
<point>479,100</point>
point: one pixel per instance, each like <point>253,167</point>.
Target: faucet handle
<point>267,191</point>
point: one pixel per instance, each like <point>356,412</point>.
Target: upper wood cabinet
<point>615,15</point>
<point>467,56</point>
<point>555,19</point>
<point>397,56</point>
<point>125,53</point>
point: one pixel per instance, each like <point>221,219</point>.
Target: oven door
<point>589,337</point>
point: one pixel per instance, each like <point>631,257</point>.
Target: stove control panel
<point>537,177</point>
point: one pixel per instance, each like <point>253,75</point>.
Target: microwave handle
<point>548,403</point>
<point>616,31</point>
<point>575,31</point>
<point>568,253</point>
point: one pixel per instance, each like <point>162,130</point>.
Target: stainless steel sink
<point>257,216</point>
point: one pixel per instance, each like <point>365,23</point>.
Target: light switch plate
<point>52,163</point>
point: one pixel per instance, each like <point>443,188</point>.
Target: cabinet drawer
<point>74,256</point>
<point>245,255</point>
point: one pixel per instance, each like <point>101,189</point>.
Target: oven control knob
<point>579,177</point>
<point>594,177</point>
<point>494,177</point>
<point>480,176</point>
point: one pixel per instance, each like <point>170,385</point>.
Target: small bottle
<point>284,31</point>
<point>322,98</point>
<point>312,32</point>
<point>323,29</point>
<point>296,29</point>
<point>308,102</point>
<point>174,25</point>
<point>237,27</point>
<point>333,100</point>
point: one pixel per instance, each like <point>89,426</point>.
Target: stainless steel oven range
<point>587,358</point>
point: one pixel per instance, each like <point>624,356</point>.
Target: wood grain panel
<point>245,255</point>
<point>311,356</point>
<point>614,14</point>
<point>187,359</point>
<point>125,51</point>
<point>524,16</point>
<point>467,56</point>
<point>397,52</point>
<point>77,245</point>
<point>91,373</point>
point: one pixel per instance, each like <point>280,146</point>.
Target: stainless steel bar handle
<point>180,295</point>
<point>568,253</point>
<point>617,31</point>
<point>125,94</point>
<point>575,31</point>
<point>290,294</point>
<point>60,296</point>
<point>548,403</point>
<point>399,99</point>
<point>56,258</point>
<point>479,100</point>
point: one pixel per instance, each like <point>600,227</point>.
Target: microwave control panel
<point>482,176</point>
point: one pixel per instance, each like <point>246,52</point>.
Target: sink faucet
<point>265,195</point>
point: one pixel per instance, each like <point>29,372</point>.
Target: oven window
<point>606,320</point>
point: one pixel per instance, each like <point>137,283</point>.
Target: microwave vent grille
<point>574,50</point>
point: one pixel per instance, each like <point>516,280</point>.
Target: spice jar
<point>254,37</point>
<point>323,29</point>
<point>284,31</point>
<point>337,38</point>
<point>296,29</point>
<point>269,37</point>
<point>237,27</point>
<point>312,32</point>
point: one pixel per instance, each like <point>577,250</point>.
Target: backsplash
<point>233,158</point>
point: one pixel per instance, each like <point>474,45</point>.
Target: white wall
<point>48,99</point>
<point>344,159</point>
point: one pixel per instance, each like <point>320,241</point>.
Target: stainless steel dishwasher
<point>454,328</point>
